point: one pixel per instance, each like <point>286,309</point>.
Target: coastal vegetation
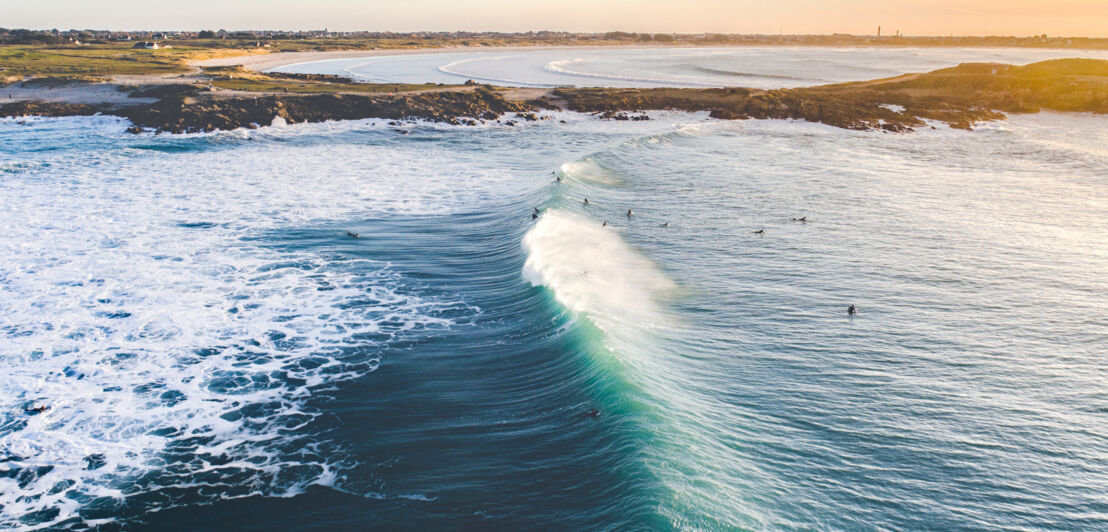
<point>958,96</point>
<point>92,62</point>
<point>187,98</point>
<point>329,40</point>
<point>100,55</point>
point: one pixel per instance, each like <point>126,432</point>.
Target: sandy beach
<point>110,93</point>
<point>262,62</point>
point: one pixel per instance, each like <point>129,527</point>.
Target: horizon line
<point>590,33</point>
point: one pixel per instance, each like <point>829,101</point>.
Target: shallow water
<point>763,67</point>
<point>216,352</point>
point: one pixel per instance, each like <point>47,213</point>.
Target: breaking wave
<point>560,67</point>
<point>167,336</point>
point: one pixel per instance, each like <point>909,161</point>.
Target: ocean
<point>218,352</point>
<point>761,67</point>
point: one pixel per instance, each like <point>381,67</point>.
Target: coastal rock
<point>178,115</point>
<point>40,108</point>
<point>961,97</point>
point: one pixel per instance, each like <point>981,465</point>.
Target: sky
<point>1088,18</point>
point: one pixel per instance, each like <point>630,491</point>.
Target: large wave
<point>592,271</point>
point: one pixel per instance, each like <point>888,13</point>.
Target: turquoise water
<point>216,352</point>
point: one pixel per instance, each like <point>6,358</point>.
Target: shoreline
<point>961,97</point>
<point>268,61</point>
<point>262,62</point>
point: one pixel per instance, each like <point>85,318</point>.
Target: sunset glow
<point>911,17</point>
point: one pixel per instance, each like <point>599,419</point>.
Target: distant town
<point>267,38</point>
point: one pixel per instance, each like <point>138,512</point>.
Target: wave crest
<point>592,271</point>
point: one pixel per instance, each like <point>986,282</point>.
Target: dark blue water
<point>217,352</point>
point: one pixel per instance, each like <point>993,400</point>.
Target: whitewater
<point>205,337</point>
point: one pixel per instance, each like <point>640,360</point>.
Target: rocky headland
<point>960,97</point>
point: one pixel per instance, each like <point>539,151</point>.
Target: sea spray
<point>174,328</point>
<point>588,170</point>
<point>757,403</point>
<point>592,271</point>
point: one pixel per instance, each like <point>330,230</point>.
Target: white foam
<point>452,69</point>
<point>142,301</point>
<point>589,171</point>
<point>592,271</point>
<point>681,130</point>
<point>559,67</point>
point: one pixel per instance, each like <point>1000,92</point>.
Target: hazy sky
<point>912,17</point>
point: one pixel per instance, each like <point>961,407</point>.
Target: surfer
<point>534,216</point>
<point>605,224</point>
<point>851,310</point>
<point>801,219</point>
<point>630,213</point>
<point>586,201</point>
<point>36,409</point>
<point>351,234</point>
<point>758,232</point>
<point>665,224</point>
<point>593,413</point>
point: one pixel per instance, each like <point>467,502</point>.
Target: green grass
<point>99,61</point>
<point>102,61</point>
<point>90,62</point>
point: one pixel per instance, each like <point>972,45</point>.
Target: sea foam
<point>592,271</point>
<point>172,333</point>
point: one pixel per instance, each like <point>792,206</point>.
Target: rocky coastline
<point>959,96</point>
<point>186,109</point>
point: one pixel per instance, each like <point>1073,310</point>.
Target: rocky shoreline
<point>959,96</point>
<point>186,109</point>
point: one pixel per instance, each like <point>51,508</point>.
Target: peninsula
<point>201,87</point>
